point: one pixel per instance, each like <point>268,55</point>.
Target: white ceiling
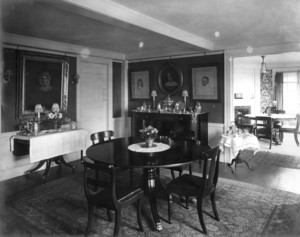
<point>166,27</point>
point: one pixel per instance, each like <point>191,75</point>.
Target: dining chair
<point>185,135</point>
<point>198,186</point>
<point>109,194</point>
<point>243,123</point>
<point>264,129</point>
<point>292,129</point>
<point>103,136</point>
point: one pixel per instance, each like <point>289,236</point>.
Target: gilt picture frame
<point>170,79</point>
<point>43,79</point>
<point>139,82</point>
<point>204,82</point>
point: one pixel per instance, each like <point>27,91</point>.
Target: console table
<point>49,146</point>
<point>168,123</point>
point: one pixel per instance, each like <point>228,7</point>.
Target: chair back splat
<point>101,136</point>
<point>198,186</point>
<point>108,194</point>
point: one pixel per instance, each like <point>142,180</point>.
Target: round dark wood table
<point>116,152</point>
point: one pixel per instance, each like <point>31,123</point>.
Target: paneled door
<point>94,104</point>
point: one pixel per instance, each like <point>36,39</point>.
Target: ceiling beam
<point>121,13</point>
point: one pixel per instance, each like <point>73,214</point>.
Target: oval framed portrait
<point>170,79</point>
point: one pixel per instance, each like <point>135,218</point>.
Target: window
<point>291,92</point>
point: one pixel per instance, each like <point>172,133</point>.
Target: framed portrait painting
<point>43,80</point>
<point>204,82</point>
<point>139,83</point>
<point>170,79</point>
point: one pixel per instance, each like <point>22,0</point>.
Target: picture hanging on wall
<point>139,83</point>
<point>170,79</point>
<point>44,80</point>
<point>204,82</point>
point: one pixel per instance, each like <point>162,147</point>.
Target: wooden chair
<point>108,195</point>
<point>292,129</point>
<point>200,187</point>
<point>102,136</point>
<point>186,135</point>
<point>264,129</point>
<point>243,123</point>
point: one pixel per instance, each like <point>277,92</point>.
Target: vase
<point>149,142</point>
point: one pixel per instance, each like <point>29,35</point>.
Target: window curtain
<point>279,89</point>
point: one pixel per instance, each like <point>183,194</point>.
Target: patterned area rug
<point>268,158</point>
<point>59,208</point>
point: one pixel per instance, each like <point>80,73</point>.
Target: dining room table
<point>131,152</point>
<point>274,118</point>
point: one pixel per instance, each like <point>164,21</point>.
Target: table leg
<point>62,161</point>
<point>58,160</point>
<point>39,165</point>
<point>150,186</point>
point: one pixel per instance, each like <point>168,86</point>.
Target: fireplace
<point>242,110</point>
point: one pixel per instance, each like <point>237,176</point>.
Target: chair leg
<point>173,174</point>
<point>296,138</point>
<point>200,214</point>
<point>187,202</point>
<point>139,210</point>
<point>169,208</point>
<point>190,169</point>
<point>117,222</point>
<point>131,171</point>
<point>90,218</point>
<point>214,206</point>
<point>109,215</point>
<point>271,140</point>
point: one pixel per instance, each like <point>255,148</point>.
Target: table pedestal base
<point>151,185</point>
<point>58,160</point>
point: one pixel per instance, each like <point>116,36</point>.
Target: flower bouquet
<point>149,134</point>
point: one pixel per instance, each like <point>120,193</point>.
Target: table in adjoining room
<point>236,143</point>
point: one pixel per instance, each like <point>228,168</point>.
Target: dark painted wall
<point>215,109</point>
<point>9,114</point>
<point>116,89</point>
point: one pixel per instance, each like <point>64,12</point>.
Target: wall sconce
<point>75,79</point>
<point>7,75</point>
<point>263,69</point>
<point>184,95</point>
<point>153,94</point>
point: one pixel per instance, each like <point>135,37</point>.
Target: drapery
<point>279,90</point>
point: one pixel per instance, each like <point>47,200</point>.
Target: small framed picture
<point>204,82</point>
<point>139,83</point>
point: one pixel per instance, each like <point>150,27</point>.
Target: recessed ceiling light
<point>141,44</point>
<point>249,49</point>
<point>217,34</point>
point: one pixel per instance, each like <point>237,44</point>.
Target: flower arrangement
<point>55,114</point>
<point>148,132</point>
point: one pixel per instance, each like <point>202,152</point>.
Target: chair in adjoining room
<point>243,123</point>
<point>264,129</point>
<point>108,194</point>
<point>198,186</point>
<point>292,129</point>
